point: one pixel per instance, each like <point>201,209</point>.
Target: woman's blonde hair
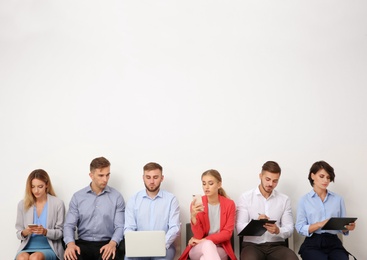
<point>217,176</point>
<point>41,175</point>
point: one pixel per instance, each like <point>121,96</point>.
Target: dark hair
<point>152,166</point>
<point>271,166</point>
<point>99,163</point>
<point>217,176</point>
<point>319,166</point>
<point>41,175</point>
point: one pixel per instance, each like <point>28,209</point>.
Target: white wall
<point>192,85</point>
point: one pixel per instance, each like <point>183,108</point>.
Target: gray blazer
<point>55,221</point>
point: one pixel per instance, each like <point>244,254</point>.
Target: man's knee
<point>251,252</point>
<point>170,252</point>
<point>120,251</point>
<point>290,254</point>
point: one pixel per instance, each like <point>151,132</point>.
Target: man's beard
<point>152,190</point>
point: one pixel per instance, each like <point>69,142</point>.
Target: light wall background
<point>192,85</point>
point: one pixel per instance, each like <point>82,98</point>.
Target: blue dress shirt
<point>97,217</point>
<point>159,213</point>
<point>312,209</point>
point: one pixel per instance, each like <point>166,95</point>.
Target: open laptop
<point>145,243</point>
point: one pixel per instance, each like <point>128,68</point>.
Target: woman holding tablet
<point>40,218</point>
<point>314,210</point>
<point>212,222</point>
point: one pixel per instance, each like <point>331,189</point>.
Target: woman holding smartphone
<point>40,218</point>
<point>212,222</point>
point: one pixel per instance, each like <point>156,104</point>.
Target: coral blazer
<point>223,237</point>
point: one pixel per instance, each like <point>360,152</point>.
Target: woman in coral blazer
<point>212,222</point>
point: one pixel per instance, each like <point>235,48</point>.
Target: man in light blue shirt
<point>97,211</point>
<point>154,209</point>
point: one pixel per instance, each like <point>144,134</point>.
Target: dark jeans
<point>323,246</point>
<point>89,250</point>
<point>267,251</point>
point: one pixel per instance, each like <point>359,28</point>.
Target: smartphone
<point>32,225</point>
<point>198,199</point>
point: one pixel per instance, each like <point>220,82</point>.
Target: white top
<point>277,207</point>
<point>214,218</point>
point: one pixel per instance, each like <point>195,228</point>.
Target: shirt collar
<point>312,193</point>
<point>159,194</point>
<point>88,189</point>
<point>257,192</point>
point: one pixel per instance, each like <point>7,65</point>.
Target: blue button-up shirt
<point>312,209</point>
<point>159,213</point>
<point>98,217</point>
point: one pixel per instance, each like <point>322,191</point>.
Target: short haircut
<point>152,166</point>
<point>99,163</point>
<point>271,166</point>
<point>319,166</point>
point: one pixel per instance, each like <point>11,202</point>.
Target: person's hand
<point>70,251</point>
<point>322,223</point>
<point>195,209</point>
<point>316,226</point>
<point>350,226</point>
<point>272,228</point>
<point>108,250</point>
<point>38,230</point>
<point>262,216</point>
<point>194,241</point>
<point>26,232</point>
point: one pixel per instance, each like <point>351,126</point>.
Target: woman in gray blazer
<point>40,219</point>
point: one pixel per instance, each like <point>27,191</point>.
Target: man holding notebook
<point>264,202</point>
<point>153,209</point>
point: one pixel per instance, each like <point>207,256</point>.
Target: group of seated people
<point>98,218</point>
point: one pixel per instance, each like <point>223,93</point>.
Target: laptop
<point>145,243</point>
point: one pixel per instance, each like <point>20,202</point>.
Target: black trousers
<point>89,250</point>
<point>323,246</point>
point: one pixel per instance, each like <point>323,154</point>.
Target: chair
<point>189,235</point>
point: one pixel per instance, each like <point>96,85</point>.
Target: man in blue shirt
<point>154,209</point>
<point>97,211</point>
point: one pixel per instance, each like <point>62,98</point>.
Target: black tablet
<point>337,223</point>
<point>255,227</point>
